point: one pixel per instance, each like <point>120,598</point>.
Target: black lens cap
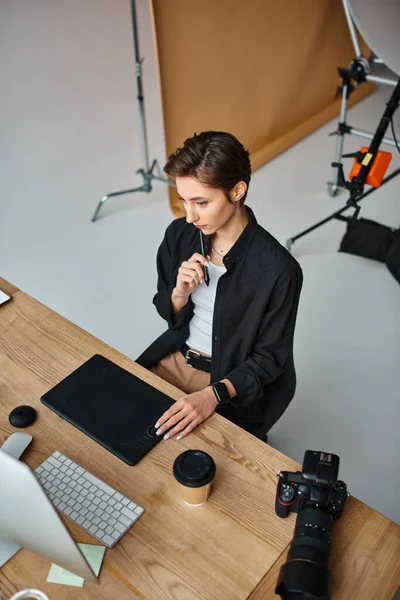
<point>194,468</point>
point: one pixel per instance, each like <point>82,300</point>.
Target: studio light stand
<point>146,172</point>
<point>358,72</point>
<point>370,163</point>
<point>366,160</point>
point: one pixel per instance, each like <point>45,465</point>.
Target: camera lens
<point>312,537</point>
<point>306,572</point>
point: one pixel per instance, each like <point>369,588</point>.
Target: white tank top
<point>200,325</point>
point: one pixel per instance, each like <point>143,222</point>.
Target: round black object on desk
<point>22,416</point>
<point>194,468</point>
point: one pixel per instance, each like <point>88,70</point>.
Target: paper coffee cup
<point>29,594</point>
<point>194,471</point>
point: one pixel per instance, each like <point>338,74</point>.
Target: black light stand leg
<point>356,186</point>
<point>335,215</point>
<point>145,172</point>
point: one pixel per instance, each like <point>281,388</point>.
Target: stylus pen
<point>206,273</point>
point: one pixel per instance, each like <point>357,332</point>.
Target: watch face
<point>221,392</point>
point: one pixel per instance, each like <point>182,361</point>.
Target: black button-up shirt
<point>253,323</point>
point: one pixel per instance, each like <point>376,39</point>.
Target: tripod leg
<point>154,165</point>
<point>143,188</point>
<point>99,205</point>
<point>333,185</point>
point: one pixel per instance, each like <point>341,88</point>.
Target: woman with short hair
<point>229,292</point>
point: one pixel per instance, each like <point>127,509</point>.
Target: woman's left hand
<point>187,413</point>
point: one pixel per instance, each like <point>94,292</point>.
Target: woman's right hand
<point>190,275</point>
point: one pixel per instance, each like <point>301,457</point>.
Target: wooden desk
<point>229,548</point>
<point>7,288</point>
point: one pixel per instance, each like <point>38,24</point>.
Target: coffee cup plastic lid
<point>194,468</point>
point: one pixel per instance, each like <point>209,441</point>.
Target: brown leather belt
<point>195,359</point>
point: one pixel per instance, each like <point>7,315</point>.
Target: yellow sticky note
<point>93,554</point>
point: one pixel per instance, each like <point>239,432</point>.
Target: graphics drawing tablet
<point>115,408</point>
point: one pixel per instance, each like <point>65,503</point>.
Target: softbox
<point>375,241</point>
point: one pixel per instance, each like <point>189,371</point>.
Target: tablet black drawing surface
<point>112,406</point>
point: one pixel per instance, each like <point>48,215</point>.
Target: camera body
<point>318,498</point>
<point>315,486</point>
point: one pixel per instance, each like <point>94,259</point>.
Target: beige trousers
<point>173,369</point>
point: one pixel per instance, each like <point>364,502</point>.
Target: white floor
<point>70,133</point>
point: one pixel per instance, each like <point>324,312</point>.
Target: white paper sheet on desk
<point>3,297</point>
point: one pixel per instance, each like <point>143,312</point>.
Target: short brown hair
<point>215,158</point>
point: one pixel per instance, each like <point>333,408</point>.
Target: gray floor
<point>70,133</point>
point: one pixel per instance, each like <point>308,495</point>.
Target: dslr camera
<point>319,498</point>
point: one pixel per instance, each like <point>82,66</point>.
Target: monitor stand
<point>14,445</point>
<point>7,550</point>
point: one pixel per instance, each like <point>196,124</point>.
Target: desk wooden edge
<point>8,288</point>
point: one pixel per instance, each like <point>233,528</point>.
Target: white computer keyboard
<point>88,501</point>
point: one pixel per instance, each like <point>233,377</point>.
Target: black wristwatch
<point>221,393</point>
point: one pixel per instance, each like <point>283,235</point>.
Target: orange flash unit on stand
<point>377,171</point>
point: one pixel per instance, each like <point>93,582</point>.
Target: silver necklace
<point>225,251</point>
<point>219,253</point>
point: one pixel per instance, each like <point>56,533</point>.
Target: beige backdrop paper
<point>263,70</point>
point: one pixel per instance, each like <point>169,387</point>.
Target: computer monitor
<point>28,518</point>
